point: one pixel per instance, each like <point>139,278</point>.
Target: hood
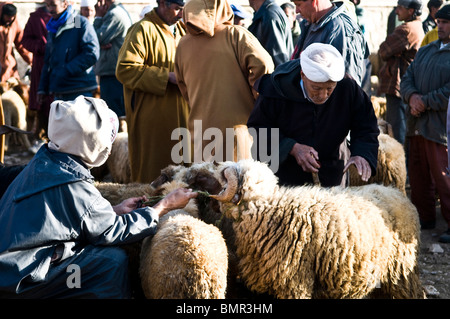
<point>204,16</point>
<point>49,169</point>
<point>283,82</point>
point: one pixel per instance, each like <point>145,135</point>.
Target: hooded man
<point>54,222</point>
<point>314,108</point>
<point>218,86</point>
<point>154,106</point>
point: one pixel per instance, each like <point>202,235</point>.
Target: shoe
<point>445,237</point>
<point>428,224</point>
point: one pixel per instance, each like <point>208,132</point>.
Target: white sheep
<point>312,242</point>
<point>15,113</point>
<point>118,162</point>
<point>391,165</point>
<point>186,258</point>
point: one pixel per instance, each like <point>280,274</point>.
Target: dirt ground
<point>434,258</point>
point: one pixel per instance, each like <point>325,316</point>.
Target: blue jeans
<point>395,115</point>
<point>111,91</point>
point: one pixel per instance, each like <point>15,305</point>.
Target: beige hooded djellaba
<point>216,65</point>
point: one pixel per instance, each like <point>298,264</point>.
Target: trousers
<point>427,166</point>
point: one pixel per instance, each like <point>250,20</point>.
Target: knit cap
<point>84,127</point>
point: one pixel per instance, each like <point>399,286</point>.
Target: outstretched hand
<point>128,205</point>
<point>176,199</point>
<point>362,167</point>
<point>306,156</point>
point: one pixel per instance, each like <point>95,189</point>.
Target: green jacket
<point>429,75</point>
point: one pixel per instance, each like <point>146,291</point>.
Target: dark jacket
<point>281,104</point>
<point>70,55</point>
<point>429,75</point>
<point>53,204</point>
<point>270,26</point>
<point>341,31</point>
<point>397,51</point>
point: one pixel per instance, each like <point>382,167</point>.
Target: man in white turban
<point>59,235</point>
<point>314,107</point>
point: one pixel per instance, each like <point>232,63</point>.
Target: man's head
<point>170,11</point>
<point>434,6</point>
<point>322,66</point>
<point>56,7</point>
<point>289,9</point>
<point>443,22</point>
<point>312,10</point>
<point>407,10</point>
<point>9,12</point>
<point>84,127</point>
<point>87,9</point>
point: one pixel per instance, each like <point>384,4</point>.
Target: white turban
<point>88,3</point>
<point>84,127</point>
<point>322,62</point>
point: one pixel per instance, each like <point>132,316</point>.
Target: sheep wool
<point>391,165</point>
<point>313,242</point>
<point>186,258</point>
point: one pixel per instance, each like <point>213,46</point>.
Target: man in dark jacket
<point>72,50</point>
<point>59,235</point>
<point>425,87</point>
<point>314,109</point>
<point>271,27</point>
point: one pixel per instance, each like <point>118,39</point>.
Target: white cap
<point>322,62</point>
<point>88,3</point>
<point>84,127</point>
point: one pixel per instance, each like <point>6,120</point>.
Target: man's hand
<point>128,205</point>
<point>174,200</point>
<point>101,8</point>
<point>306,156</point>
<point>416,105</point>
<point>362,167</point>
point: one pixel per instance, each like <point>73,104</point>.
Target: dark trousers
<point>427,163</point>
<point>103,274</point>
<point>111,91</point>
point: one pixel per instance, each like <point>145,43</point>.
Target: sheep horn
<point>231,176</point>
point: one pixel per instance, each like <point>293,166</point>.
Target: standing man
<point>34,40</point>
<point>70,54</point>
<point>315,108</point>
<point>154,105</point>
<point>271,27</point>
<point>329,22</point>
<point>397,52</point>
<point>111,25</point>
<point>11,34</point>
<point>87,9</point>
<point>219,86</point>
<point>430,22</point>
<point>426,89</point>
<point>289,10</point>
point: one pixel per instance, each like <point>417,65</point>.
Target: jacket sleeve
<point>254,60</point>
<point>407,84</point>
<point>44,80</point>
<point>394,45</point>
<point>102,226</point>
<point>108,28</point>
<point>133,71</point>
<point>90,51</point>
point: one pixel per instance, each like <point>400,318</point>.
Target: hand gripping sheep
<point>312,242</point>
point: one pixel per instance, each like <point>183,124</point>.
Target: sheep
<point>118,162</point>
<point>15,112</point>
<point>198,269</point>
<point>313,242</point>
<point>391,165</point>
